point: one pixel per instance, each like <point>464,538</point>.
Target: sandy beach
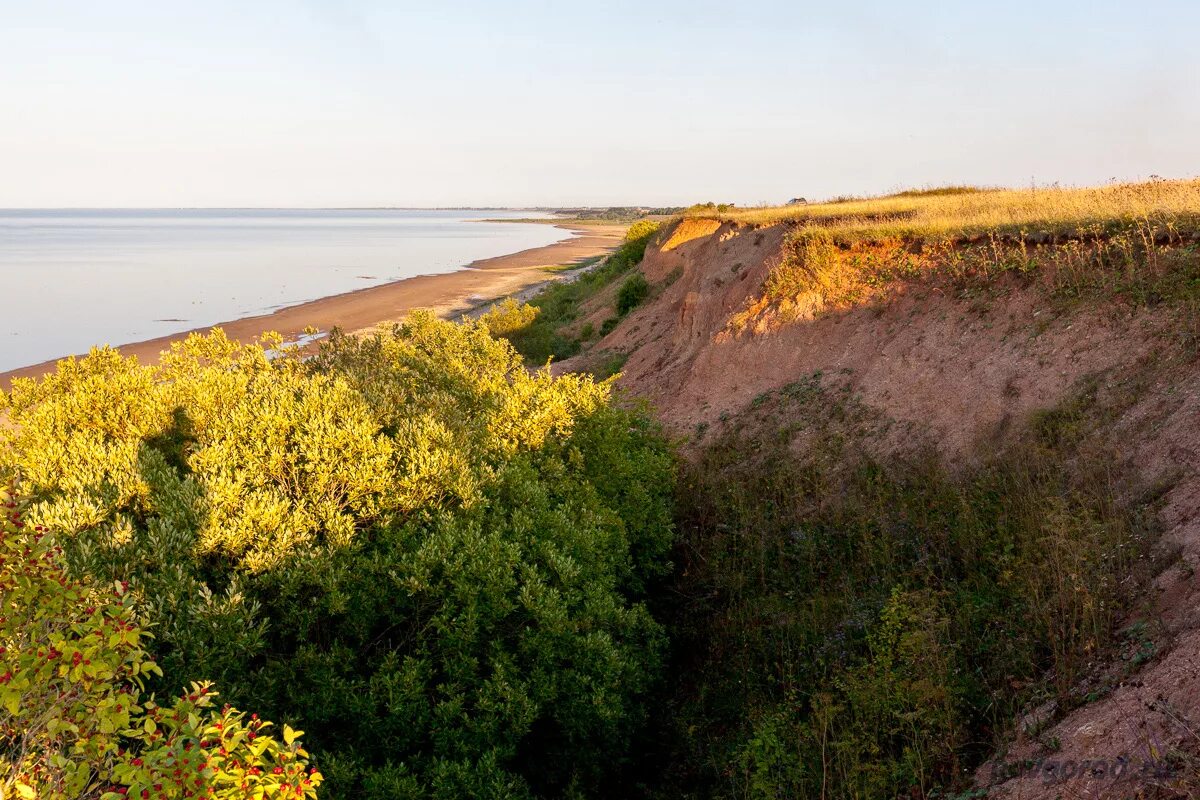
<point>447,295</point>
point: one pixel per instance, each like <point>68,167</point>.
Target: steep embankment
<point>947,353</point>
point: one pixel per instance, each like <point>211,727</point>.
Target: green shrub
<point>610,365</point>
<point>428,556</point>
<point>633,291</point>
<point>641,232</point>
<point>637,239</point>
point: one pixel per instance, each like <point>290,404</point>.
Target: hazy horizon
<point>365,104</point>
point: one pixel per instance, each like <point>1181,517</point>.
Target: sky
<point>324,103</point>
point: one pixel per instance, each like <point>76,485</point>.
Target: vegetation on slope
<point>430,558</point>
<point>875,626</point>
<point>850,626</point>
<point>536,329</point>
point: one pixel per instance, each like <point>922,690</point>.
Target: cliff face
<point>961,368</point>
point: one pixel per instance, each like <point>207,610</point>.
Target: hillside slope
<point>959,343</point>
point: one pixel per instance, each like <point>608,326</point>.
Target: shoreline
<point>447,294</point>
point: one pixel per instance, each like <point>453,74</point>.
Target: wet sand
<point>448,295</point>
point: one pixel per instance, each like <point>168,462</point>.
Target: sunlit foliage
<point>428,556</point>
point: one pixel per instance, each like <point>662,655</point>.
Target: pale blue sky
<point>364,102</point>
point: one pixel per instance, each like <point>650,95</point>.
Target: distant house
<point>797,201</point>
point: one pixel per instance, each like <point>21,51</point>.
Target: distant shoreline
<point>447,294</point>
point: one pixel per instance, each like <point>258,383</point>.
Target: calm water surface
<point>72,279</point>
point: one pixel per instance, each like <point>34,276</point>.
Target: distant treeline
<point>617,212</point>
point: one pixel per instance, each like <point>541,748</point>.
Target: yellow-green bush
<point>285,460</point>
<point>642,230</point>
<point>509,317</point>
<point>428,556</point>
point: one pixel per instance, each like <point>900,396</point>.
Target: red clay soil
<point>958,374</point>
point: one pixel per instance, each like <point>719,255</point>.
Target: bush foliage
<point>633,291</point>
<point>74,719</point>
<point>429,557</point>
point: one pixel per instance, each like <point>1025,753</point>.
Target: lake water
<point>72,279</point>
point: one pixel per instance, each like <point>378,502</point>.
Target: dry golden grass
<point>1160,205</point>
<point>1137,242</point>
